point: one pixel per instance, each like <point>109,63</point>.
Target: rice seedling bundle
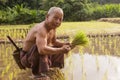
<point>80,38</point>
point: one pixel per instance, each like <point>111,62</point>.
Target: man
<point>41,50</point>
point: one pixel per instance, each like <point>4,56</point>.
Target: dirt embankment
<point>112,20</point>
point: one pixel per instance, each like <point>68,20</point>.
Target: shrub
<point>108,10</point>
<point>73,12</point>
<point>21,15</point>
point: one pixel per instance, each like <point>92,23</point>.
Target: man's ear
<point>47,16</point>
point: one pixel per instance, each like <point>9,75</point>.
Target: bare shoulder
<point>33,31</point>
<point>40,29</point>
<point>31,36</point>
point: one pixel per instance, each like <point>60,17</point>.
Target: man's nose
<point>58,21</point>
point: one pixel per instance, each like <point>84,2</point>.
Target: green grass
<point>73,27</point>
<point>88,27</point>
<point>14,26</point>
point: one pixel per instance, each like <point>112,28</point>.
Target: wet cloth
<point>40,63</point>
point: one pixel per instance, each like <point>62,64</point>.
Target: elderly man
<point>41,50</point>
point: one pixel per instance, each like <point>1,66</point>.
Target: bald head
<point>52,10</point>
<point>54,17</point>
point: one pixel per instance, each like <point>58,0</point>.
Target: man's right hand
<point>66,48</point>
<point>72,46</point>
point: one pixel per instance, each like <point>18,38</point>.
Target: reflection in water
<point>91,67</point>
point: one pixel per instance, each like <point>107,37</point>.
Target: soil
<point>53,74</point>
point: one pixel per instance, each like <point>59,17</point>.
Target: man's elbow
<point>42,51</point>
<point>53,43</point>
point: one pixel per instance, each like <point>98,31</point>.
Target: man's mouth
<point>56,25</point>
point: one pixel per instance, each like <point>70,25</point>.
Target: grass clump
<point>80,38</point>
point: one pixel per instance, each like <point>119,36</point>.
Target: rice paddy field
<point>99,60</point>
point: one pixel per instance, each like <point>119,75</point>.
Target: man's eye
<point>60,19</point>
<point>55,18</point>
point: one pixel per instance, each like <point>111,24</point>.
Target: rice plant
<point>80,38</point>
<point>98,45</point>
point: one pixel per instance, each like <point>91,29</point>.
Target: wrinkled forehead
<point>58,13</point>
<point>55,10</point>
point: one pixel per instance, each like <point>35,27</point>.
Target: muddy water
<point>92,67</point>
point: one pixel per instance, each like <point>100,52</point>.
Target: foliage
<point>108,10</point>
<point>73,9</point>
<point>105,1</point>
<point>21,15</point>
<point>25,12</point>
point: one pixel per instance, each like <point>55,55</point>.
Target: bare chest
<point>50,37</point>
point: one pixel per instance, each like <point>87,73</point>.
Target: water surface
<point>92,67</point>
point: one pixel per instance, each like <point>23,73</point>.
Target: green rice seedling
<point>97,62</point>
<point>93,50</point>
<point>3,73</point>
<point>83,68</point>
<point>84,76</point>
<point>11,76</point>
<point>8,68</point>
<point>82,64</point>
<point>105,76</point>
<point>79,39</point>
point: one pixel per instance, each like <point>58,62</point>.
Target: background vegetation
<point>33,11</point>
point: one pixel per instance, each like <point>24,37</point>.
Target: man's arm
<point>58,43</point>
<point>43,48</point>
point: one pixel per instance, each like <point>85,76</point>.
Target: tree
<point>73,9</point>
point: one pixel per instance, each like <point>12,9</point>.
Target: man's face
<point>55,19</point>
